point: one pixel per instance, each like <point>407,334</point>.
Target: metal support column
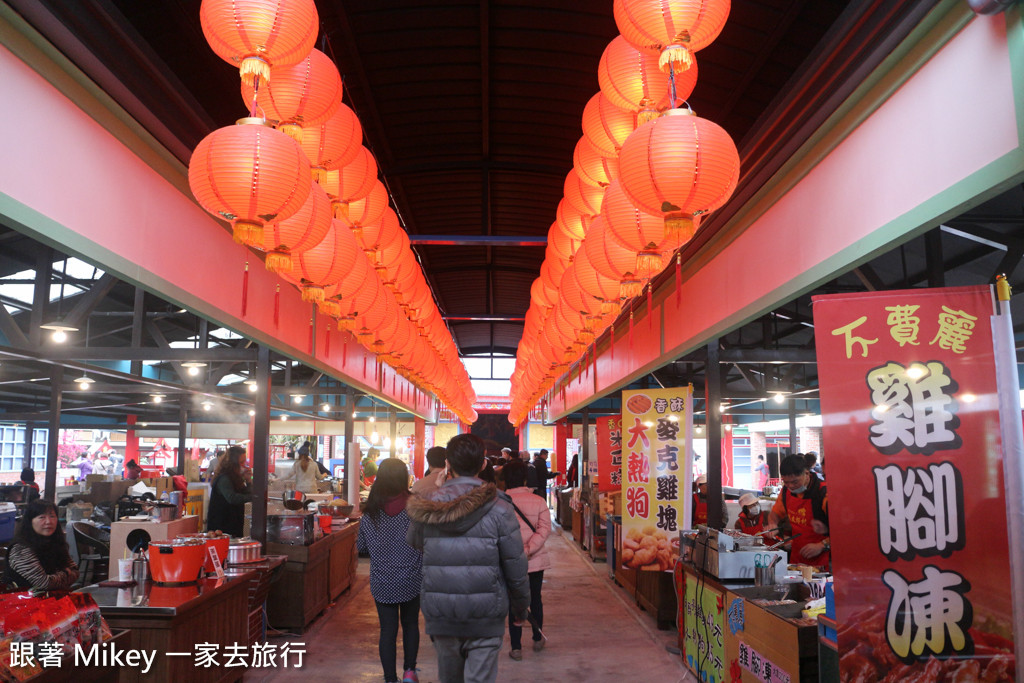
<point>712,402</point>
<point>26,458</point>
<point>53,437</point>
<point>584,468</point>
<point>261,446</point>
<point>794,435</point>
<point>350,426</point>
<point>393,422</point>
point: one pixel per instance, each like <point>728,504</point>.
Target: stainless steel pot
<point>163,512</point>
<point>244,550</point>
<point>294,499</point>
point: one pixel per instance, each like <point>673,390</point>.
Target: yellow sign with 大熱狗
<point>657,428</point>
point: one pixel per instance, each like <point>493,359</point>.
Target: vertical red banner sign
<point>609,453</point>
<point>917,502</point>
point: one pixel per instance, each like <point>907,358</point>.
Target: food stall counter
<point>174,619</point>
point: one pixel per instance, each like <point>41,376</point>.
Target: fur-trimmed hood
<point>456,506</point>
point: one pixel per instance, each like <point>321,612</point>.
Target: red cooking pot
<point>177,561</point>
<point>222,542</point>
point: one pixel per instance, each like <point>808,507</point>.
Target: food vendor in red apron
<point>700,501</point>
<point>804,502</point>
<point>751,520</point>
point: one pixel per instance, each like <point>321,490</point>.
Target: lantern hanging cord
<point>255,94</point>
<point>671,84</point>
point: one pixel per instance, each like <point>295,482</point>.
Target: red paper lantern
<point>376,236</point>
<point>631,79</point>
<point>583,197</point>
<point>571,221</point>
<point>613,260</point>
<point>351,182</point>
<point>304,94</point>
<point>605,125</point>
<point>602,288</point>
<point>303,230</point>
<point>249,174</point>
<point>325,264</point>
<point>333,143</point>
<point>580,301</point>
<point>678,167</point>
<point>593,167</point>
<point>367,211</point>
<point>674,28</point>
<point>643,233</point>
<point>259,34</point>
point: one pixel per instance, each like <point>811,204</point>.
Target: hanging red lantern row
<point>672,29</point>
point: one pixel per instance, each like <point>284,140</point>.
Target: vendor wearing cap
<point>700,503</point>
<point>804,502</point>
<point>751,520</point>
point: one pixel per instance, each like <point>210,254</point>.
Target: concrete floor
<point>595,633</point>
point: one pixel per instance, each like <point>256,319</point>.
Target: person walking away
<point>433,477</point>
<point>540,465</point>
<point>534,525</point>
<point>396,569</point>
<point>304,472</point>
<point>751,520</point>
<point>804,502</point>
<point>474,566</point>
<point>28,478</point>
<point>38,556</point>
<point>761,473</point>
<point>230,491</point>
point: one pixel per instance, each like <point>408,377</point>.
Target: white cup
<point>124,569</point>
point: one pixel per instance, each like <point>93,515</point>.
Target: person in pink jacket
<point>535,525</point>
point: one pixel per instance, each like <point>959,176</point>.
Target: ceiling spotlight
<point>722,407</point>
<point>284,418</point>
<point>779,396</point>
<point>374,437</point>
<point>326,407</point>
<point>193,367</point>
<point>251,383</point>
<point>84,382</point>
<point>373,418</point>
<point>157,398</point>
<point>252,413</point>
<point>60,331</point>
<point>297,398</point>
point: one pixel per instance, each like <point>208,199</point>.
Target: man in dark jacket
<point>540,465</point>
<point>474,566</point>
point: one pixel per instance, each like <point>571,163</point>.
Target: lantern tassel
<point>312,293</point>
<point>344,350</point>
<point>630,288</point>
<point>679,278</point>
<point>249,233</point>
<point>677,55</point>
<point>607,307</point>
<point>327,342</point>
<point>279,261</point>
<point>277,306</point>
<point>253,67</point>
<point>611,341</point>
<point>650,308</point>
<point>340,210</point>
<point>245,289</point>
<point>631,331</point>
<point>679,228</point>
<point>648,261</point>
<point>311,332</point>
<point>292,130</point>
<point>648,112</point>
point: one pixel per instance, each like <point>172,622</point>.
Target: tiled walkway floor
<point>595,633</point>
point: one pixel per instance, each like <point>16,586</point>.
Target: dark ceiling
<point>473,110</point>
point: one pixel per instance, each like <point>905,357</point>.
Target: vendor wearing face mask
<point>804,502</point>
<point>751,520</point>
<point>700,503</point>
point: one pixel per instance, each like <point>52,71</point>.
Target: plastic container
<point>177,561</point>
<point>7,521</point>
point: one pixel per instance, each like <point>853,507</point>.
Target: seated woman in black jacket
<point>38,557</point>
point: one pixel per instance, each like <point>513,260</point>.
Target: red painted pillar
<point>131,442</point>
<point>419,436</point>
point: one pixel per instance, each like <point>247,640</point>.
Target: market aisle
<point>594,634</point>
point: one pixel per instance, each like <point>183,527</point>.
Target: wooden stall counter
<point>173,619</point>
<point>768,637</point>
<point>314,575</point>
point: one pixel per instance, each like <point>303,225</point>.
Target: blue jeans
<point>390,614</point>
<point>515,633</point>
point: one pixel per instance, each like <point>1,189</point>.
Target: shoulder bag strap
<point>520,513</point>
